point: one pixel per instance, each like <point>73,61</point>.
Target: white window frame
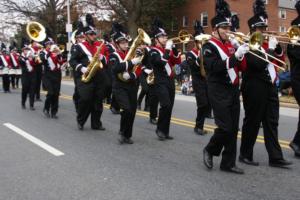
<point>202,15</point>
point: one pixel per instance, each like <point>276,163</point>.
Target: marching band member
<point>36,48</point>
<point>52,60</point>
<point>6,66</point>
<point>91,94</point>
<point>163,57</point>
<point>79,37</point>
<point>195,63</point>
<point>222,64</point>
<point>111,46</point>
<point>28,78</point>
<point>260,96</point>
<point>293,52</point>
<point>153,97</point>
<point>14,56</point>
<point>125,92</point>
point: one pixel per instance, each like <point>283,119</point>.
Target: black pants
<point>166,95</point>
<point>296,91</point>
<point>75,96</point>
<point>14,79</point>
<point>127,99</point>
<point>90,101</point>
<point>261,105</point>
<point>144,91</point>
<point>153,102</point>
<point>226,107</point>
<point>5,82</point>
<point>203,107</point>
<point>108,90</point>
<point>39,73</point>
<point>52,82</point>
<point>28,88</point>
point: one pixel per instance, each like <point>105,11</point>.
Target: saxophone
<point>93,67</point>
<point>142,38</point>
<point>150,78</point>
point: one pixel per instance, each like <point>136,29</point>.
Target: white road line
<point>34,140</point>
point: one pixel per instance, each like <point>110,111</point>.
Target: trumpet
<point>292,36</point>
<point>255,42</point>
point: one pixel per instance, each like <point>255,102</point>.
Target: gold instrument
<point>183,37</point>
<point>150,78</point>
<point>292,36</point>
<point>36,31</point>
<point>93,67</point>
<point>142,38</point>
<point>202,39</point>
<point>255,42</point>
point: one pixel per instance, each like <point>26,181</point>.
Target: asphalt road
<point>92,165</point>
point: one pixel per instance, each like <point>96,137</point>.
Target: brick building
<point>281,13</point>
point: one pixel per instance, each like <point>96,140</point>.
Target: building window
<point>204,19</point>
<point>282,14</point>
<point>282,29</point>
<point>175,24</point>
<point>185,22</point>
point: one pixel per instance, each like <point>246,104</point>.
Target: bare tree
<point>46,12</point>
<point>134,13</point>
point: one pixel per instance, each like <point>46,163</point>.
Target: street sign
<point>69,28</point>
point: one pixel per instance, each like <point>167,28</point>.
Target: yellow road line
<point>185,123</point>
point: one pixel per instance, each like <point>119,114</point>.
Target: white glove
<point>241,51</point>
<point>235,43</point>
<point>136,60</point>
<point>272,43</point>
<point>126,76</point>
<point>101,56</point>
<point>83,70</point>
<point>169,44</point>
<point>148,71</point>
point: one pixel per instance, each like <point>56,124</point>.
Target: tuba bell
<point>142,38</point>
<point>36,31</point>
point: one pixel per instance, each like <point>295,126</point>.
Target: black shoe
<point>128,141</point>
<point>169,137</point>
<point>282,163</point>
<point>139,107</point>
<point>207,159</point>
<point>46,113</point>
<point>80,127</point>
<point>100,128</point>
<point>295,148</point>
<point>122,139</point>
<point>233,169</point>
<point>23,107</point>
<point>153,121</point>
<point>248,161</point>
<point>114,111</point>
<point>54,116</point>
<point>32,108</point>
<point>161,136</point>
<point>199,131</point>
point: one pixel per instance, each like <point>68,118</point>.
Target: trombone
<point>255,42</point>
<point>292,36</point>
<point>185,37</point>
